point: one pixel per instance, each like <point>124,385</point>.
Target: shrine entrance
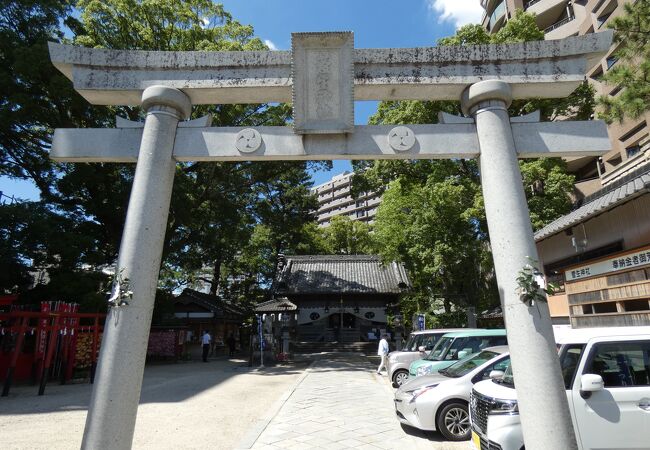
<point>348,321</point>
<point>322,76</point>
<point>343,327</point>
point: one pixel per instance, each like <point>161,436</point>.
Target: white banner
<point>614,264</point>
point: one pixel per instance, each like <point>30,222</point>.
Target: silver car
<point>418,343</point>
<point>438,402</point>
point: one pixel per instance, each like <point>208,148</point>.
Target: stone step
<point>333,347</point>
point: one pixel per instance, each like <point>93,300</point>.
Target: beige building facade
<point>564,18</point>
<point>335,199</point>
<point>599,256</point>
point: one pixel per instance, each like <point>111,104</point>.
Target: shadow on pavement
<point>162,383</point>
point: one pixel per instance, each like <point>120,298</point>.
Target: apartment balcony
<point>585,188</point>
<point>627,166</point>
<point>497,17</point>
<point>546,11</point>
<point>565,27</point>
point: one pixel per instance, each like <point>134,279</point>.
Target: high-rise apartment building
<point>563,18</point>
<point>335,199</point>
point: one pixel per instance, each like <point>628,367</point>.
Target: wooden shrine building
<point>342,298</point>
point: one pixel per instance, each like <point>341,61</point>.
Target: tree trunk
<point>216,277</point>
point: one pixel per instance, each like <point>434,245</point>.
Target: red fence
<point>48,344</point>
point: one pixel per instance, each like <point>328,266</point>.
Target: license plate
<point>476,440</point>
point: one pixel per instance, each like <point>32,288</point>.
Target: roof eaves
<point>630,187</point>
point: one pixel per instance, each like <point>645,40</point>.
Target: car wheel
<point>453,422</point>
<point>400,377</point>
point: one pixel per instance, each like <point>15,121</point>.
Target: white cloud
<point>460,12</point>
<point>270,44</point>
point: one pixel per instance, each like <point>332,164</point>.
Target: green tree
<point>215,208</point>
<point>632,70</point>
<point>344,236</point>
<point>432,217</point>
<point>34,97</point>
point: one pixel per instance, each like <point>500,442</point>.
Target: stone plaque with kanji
<point>323,82</point>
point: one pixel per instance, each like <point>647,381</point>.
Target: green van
<point>454,346</point>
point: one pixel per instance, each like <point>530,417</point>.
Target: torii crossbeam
<point>322,76</point>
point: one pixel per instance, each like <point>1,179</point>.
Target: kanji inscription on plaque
<point>323,82</point>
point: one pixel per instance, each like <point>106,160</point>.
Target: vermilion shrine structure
<point>322,76</point>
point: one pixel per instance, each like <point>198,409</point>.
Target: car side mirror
<point>496,374</point>
<point>589,383</point>
<point>422,349</point>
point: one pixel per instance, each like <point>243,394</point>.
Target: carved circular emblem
<point>248,140</point>
<point>401,138</point>
<point>314,316</point>
<point>369,315</point>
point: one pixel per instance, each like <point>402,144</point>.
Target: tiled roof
<point>210,302</point>
<point>630,186</point>
<point>494,313</point>
<point>352,274</point>
<point>276,305</point>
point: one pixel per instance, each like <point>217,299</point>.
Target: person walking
<point>206,339</point>
<point>382,351</point>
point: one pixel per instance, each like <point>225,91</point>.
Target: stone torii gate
<point>322,76</point>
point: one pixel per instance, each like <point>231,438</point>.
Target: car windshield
<point>569,360</point>
<point>466,365</point>
<point>507,378</point>
<point>438,352</point>
<point>409,343</point>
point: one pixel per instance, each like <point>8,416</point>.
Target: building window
<point>616,90</point>
<point>598,74</point>
<point>611,61</point>
<point>632,132</point>
<point>598,5</point>
<point>615,161</point>
<point>602,19</point>
<point>633,150</point>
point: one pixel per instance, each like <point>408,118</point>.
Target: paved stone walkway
<point>339,404</point>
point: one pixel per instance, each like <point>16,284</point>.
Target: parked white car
<point>439,401</point>
<point>606,374</point>
<point>418,344</point>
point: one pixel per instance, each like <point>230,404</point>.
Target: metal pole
<point>543,405</point>
<point>116,392</point>
<point>261,326</point>
<point>51,346</point>
<point>22,329</point>
<point>95,345</point>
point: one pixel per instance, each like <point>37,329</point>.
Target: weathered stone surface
<point>118,77</point>
<point>322,70</point>
<point>454,140</point>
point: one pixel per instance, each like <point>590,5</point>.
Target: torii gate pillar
<point>121,366</point>
<point>530,332</point>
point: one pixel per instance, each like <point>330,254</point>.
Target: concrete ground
<point>340,403</point>
<point>183,406</point>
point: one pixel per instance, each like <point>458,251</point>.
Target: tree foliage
<point>432,217</point>
<point>345,236</point>
<point>221,213</point>
<point>632,70</point>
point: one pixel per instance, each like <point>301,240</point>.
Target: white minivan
<point>607,379</point>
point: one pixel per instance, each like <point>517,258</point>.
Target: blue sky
<point>376,24</point>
